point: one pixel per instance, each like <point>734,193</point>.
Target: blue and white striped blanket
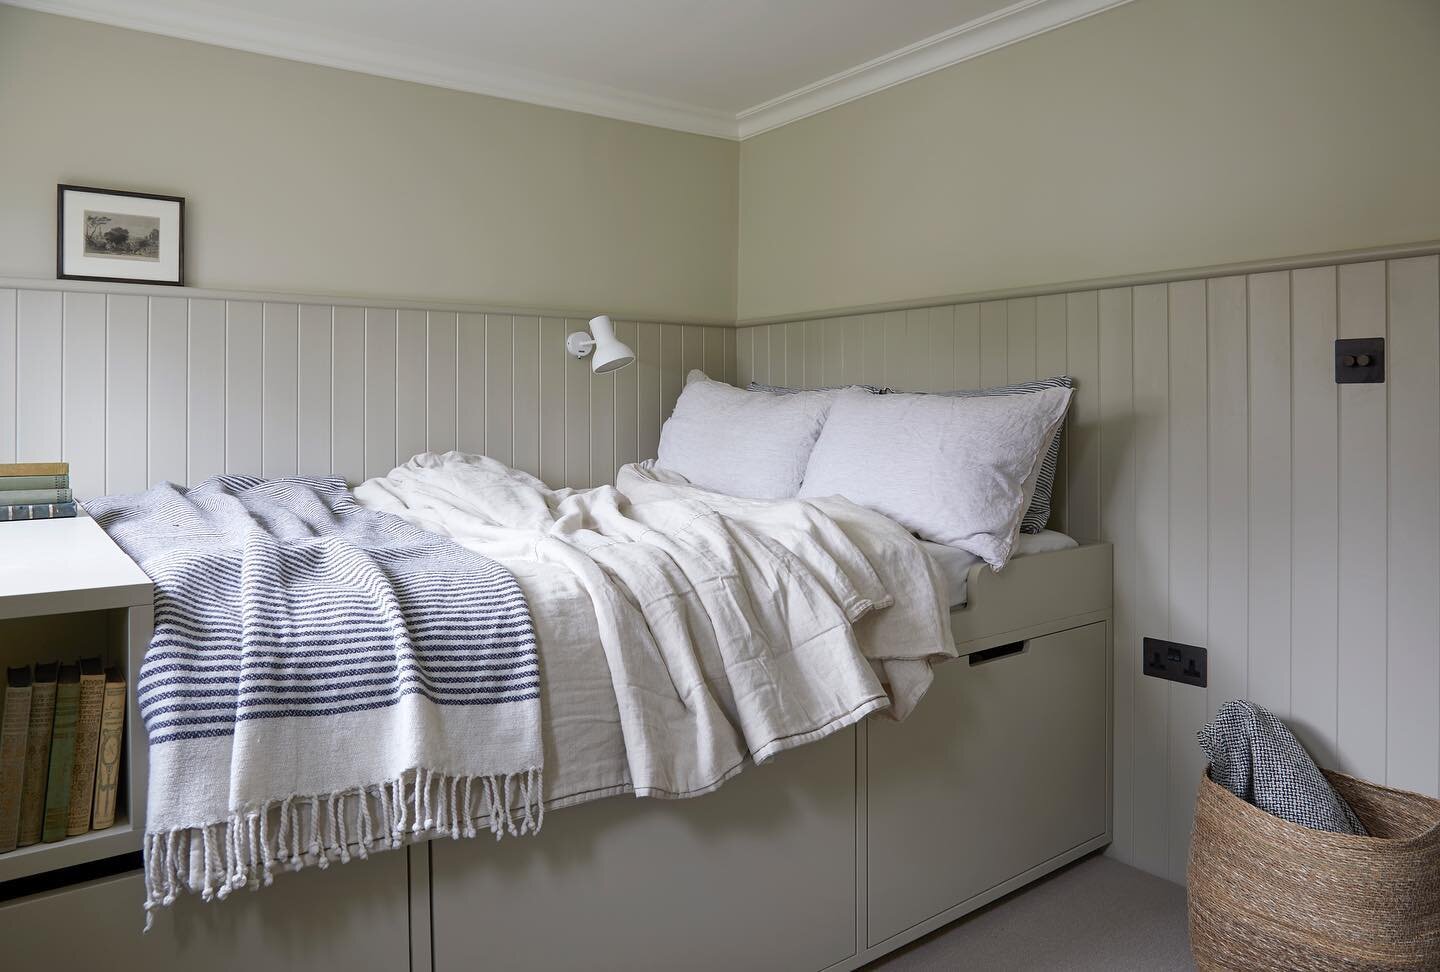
<point>324,680</point>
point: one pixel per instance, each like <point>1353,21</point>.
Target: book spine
<point>107,762</point>
<point>40,511</point>
<point>14,728</point>
<point>37,761</point>
<point>62,759</point>
<point>10,484</point>
<point>87,742</point>
<point>27,497</point>
<point>34,469</point>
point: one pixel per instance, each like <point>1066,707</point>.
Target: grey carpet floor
<point>1096,914</point>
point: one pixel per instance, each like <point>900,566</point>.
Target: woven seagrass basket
<point>1266,894</point>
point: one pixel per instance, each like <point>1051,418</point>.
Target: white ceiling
<point>720,67</point>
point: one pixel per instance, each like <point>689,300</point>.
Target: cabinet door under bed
<point>758,875</point>
<point>1002,769</point>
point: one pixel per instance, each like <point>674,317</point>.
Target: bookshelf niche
<point>66,594</point>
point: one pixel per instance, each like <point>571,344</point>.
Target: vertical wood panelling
<point>380,326</point>
<point>1268,564</point>
<point>127,336</point>
<point>280,400</point>
<point>1020,338</point>
<point>166,408</point>
<point>872,352</point>
<point>627,397</point>
<point>1289,524</point>
<point>9,389</point>
<point>1052,358</point>
<point>205,384</point>
<point>1117,523</point>
<point>1150,745</point>
<point>1363,485</point>
<point>38,375</point>
<point>244,362</point>
<point>441,376</point>
<point>526,384</point>
<point>647,390</point>
<point>1082,439</point>
<point>602,424</point>
<point>347,395</point>
<point>994,345</point>
<point>1229,477</point>
<point>1315,512</point>
<point>83,403</point>
<point>744,356</point>
<point>313,374</point>
<point>1413,692</point>
<point>470,390</point>
<point>411,394</point>
<point>552,399</point>
<point>499,387</point>
<point>577,412</point>
<point>1189,553</point>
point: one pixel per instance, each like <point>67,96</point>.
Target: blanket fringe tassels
<point>245,850</point>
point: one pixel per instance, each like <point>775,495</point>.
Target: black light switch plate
<point>1176,662</point>
<point>1359,360</point>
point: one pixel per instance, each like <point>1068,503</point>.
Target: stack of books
<point>61,735</point>
<point>35,491</point>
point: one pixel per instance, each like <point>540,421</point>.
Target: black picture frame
<point>62,188</point>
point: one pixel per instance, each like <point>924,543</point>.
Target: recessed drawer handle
<point>999,651</point>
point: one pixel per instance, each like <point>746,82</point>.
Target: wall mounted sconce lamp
<point>611,354</point>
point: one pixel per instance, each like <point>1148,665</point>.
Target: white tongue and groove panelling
<point>1289,524</point>
<point>132,389</point>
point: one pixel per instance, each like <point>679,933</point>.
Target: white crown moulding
<point>400,62</point>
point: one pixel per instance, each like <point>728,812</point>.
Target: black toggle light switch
<point>1359,361</point>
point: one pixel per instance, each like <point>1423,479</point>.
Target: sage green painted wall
<point>1162,134</point>
<point>311,180</point>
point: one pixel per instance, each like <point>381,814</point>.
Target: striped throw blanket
<point>324,681</point>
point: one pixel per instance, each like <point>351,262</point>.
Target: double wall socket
<point>1177,662</point>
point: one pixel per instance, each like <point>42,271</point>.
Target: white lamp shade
<point>611,354</point>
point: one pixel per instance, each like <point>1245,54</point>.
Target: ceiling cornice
<point>999,29</point>
<point>222,28</point>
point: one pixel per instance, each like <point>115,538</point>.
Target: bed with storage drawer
<point>824,859</point>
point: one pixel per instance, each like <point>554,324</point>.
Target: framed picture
<point>119,237</point>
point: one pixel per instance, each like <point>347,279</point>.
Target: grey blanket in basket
<point>1256,757</point>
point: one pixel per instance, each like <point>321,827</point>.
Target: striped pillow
<point>782,390</point>
<point>1037,514</point>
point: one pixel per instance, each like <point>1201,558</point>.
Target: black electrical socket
<point>1177,662</point>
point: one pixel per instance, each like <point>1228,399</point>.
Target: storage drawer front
<point>758,875</point>
<point>351,916</point>
<point>1001,767</point>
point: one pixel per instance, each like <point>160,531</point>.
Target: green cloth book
<point>62,754</point>
<point>14,728</point>
<point>28,497</point>
<point>9,484</point>
<point>37,753</point>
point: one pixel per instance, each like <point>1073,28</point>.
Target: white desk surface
<point>55,566</point>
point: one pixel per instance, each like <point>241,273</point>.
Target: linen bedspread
<point>681,632</point>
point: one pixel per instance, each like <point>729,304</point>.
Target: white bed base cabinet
<point>829,857</point>
<point>839,852</point>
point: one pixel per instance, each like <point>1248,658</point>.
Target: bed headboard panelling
<point>1289,524</point>
<point>135,388</point>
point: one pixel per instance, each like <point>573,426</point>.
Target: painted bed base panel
<point>969,905</point>
<point>1033,592</point>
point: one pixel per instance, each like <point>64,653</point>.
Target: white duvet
<point>683,632</point>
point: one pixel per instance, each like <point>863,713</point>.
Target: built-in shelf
<point>67,591</point>
<point>119,838</point>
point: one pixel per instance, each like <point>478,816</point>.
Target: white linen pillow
<point>741,443</point>
<point>958,471</point>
